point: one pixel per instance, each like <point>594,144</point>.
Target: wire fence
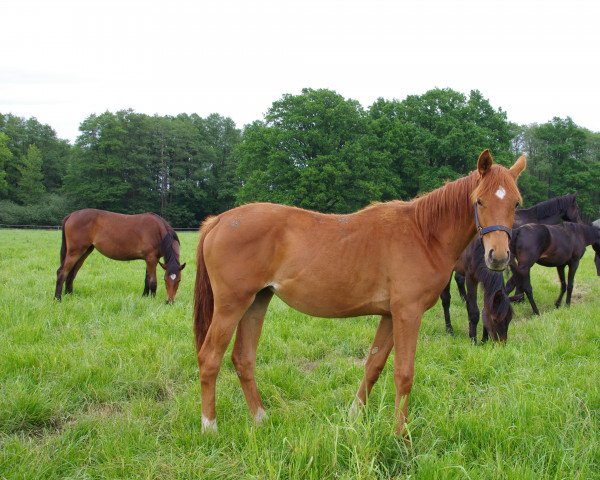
<point>58,227</point>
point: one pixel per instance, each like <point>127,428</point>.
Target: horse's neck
<point>591,234</point>
<point>451,227</point>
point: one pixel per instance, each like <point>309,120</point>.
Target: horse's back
<point>115,235</point>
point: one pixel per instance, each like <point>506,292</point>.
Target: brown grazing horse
<point>145,236</point>
<point>392,259</point>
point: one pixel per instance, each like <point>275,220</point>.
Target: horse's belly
<point>117,251</point>
<point>331,304</point>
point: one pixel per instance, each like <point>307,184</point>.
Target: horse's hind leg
<point>460,283</point>
<point>226,317</point>
<point>563,285</point>
<point>73,273</point>
<point>63,271</point>
<point>446,297</point>
<point>244,351</point>
<point>570,283</point>
<point>472,309</point>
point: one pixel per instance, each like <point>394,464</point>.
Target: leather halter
<point>492,228</point>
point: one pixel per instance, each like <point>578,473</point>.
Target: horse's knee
<point>404,381</point>
<point>244,367</point>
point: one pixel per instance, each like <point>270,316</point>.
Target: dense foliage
<point>315,150</point>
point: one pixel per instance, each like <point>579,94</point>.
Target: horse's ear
<point>162,265</point>
<point>182,267</point>
<point>484,162</point>
<point>518,167</point>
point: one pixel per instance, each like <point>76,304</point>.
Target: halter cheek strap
<point>492,228</point>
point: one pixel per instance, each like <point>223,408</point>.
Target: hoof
<point>450,331</point>
<point>259,416</point>
<point>209,426</point>
<point>355,408</point>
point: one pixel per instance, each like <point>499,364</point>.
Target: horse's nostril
<point>491,254</point>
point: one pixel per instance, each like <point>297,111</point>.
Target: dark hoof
<point>450,331</point>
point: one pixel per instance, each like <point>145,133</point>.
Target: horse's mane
<point>454,201</point>
<point>166,245</point>
<point>492,281</point>
<point>550,207</point>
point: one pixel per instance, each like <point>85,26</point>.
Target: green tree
<point>5,157</point>
<point>562,158</point>
<point>30,184</point>
<point>312,150</point>
<point>437,136</point>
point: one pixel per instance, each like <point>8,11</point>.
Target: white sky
<point>62,60</point>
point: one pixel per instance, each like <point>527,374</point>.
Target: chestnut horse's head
<point>494,202</point>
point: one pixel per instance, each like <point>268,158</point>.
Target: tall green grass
<point>105,385</point>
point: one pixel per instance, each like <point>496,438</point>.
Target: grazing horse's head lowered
<point>494,205</point>
<point>170,249</point>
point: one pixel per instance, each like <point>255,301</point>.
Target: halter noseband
<point>492,228</point>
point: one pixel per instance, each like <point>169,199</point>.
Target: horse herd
<point>391,259</point>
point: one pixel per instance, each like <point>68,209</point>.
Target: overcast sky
<point>62,60</point>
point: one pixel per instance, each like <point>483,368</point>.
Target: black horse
<point>497,310</point>
<point>551,246</point>
<point>549,212</point>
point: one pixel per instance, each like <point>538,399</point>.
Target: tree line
<point>315,150</point>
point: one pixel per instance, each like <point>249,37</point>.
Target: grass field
<point>105,385</point>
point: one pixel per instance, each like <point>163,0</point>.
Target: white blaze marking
<point>173,276</point>
<point>500,193</point>
<point>208,425</point>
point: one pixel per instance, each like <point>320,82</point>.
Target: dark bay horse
<point>390,259</point>
<point>145,236</point>
<point>551,246</point>
<point>550,212</point>
<point>497,311</point>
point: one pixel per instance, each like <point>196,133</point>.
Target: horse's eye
<point>479,202</point>
<point>517,205</point>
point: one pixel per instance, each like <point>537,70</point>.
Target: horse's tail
<point>203,294</point>
<point>63,245</point>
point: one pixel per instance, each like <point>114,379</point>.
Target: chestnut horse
<point>392,259</point>
<point>145,236</point>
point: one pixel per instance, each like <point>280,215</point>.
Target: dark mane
<point>550,207</point>
<point>492,282</point>
<point>169,253</point>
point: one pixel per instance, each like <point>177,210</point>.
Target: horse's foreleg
<point>571,280</point>
<point>563,285</point>
<point>377,356</point>
<point>406,323</point>
<point>146,285</point>
<point>226,317</point>
<point>526,284</point>
<point>244,351</point>
<point>151,275</point>
<point>446,297</point>
<point>472,309</point>
<point>75,270</point>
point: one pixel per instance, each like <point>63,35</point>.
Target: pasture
<point>105,385</point>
